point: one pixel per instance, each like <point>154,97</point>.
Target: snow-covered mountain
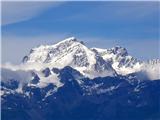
<point>91,62</point>
<point>63,80</point>
<point>71,52</point>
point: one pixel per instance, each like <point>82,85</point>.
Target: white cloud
<point>19,75</point>
<point>13,12</point>
<point>152,70</point>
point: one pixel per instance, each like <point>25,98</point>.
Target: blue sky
<point>134,25</point>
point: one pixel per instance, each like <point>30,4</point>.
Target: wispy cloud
<point>13,12</point>
<point>117,11</point>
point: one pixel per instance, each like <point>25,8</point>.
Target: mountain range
<point>69,81</point>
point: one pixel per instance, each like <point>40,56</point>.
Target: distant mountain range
<point>69,81</point>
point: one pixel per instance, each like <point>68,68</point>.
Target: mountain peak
<point>119,51</point>
<point>69,39</point>
<point>46,53</point>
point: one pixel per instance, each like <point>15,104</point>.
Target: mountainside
<point>68,81</point>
